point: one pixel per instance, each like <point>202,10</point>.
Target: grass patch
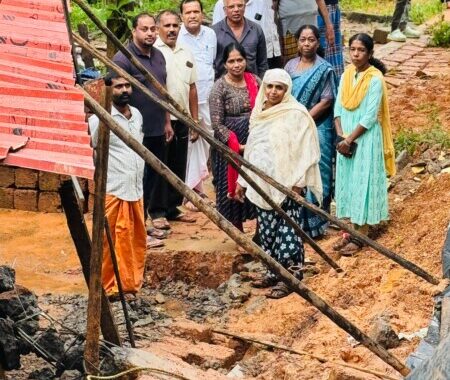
<point>440,34</point>
<point>409,140</point>
<point>421,10</point>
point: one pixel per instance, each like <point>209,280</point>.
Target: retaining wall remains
<point>33,190</point>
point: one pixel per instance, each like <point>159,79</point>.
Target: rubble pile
<point>23,330</point>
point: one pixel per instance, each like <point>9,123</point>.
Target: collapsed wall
<point>33,190</point>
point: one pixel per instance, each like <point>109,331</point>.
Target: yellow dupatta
<point>351,98</point>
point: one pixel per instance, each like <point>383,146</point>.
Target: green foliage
<point>123,16</point>
<point>441,34</point>
<point>422,11</point>
<point>407,139</point>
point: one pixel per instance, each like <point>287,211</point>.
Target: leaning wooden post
<point>91,351</point>
<point>232,157</point>
<point>243,240</point>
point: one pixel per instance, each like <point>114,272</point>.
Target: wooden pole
<point>243,240</point>
<point>252,183</point>
<point>232,157</point>
<point>303,353</point>
<point>83,245</point>
<point>119,284</point>
<point>91,350</point>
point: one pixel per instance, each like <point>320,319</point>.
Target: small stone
<point>42,374</point>
<point>7,278</point>
<point>160,298</point>
<point>71,375</point>
<point>383,333</point>
<point>237,372</point>
<point>433,168</point>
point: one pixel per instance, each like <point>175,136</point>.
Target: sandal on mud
<point>342,242</point>
<point>154,243</point>
<point>264,282</point>
<point>351,248</point>
<point>280,290</point>
<point>190,206</point>
<point>161,224</point>
<point>157,233</point>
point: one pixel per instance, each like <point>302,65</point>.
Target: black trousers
<point>152,180</point>
<point>166,199</point>
<point>400,9</point>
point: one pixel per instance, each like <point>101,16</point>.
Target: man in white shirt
<point>124,205</point>
<point>181,78</point>
<point>202,42</point>
<point>261,12</point>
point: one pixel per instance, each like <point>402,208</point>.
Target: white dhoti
<point>198,153</point>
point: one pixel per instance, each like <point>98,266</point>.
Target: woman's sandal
<point>264,282</point>
<point>341,243</point>
<point>161,224</point>
<point>157,233</point>
<point>280,290</point>
<point>351,248</point>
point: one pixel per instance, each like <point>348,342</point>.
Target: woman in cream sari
<point>283,143</point>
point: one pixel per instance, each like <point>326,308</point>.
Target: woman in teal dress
<point>362,118</point>
<point>315,86</point>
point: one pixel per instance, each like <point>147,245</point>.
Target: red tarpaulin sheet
<point>42,122</point>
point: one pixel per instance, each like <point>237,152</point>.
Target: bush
<point>441,34</point>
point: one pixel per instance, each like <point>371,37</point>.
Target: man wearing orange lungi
<point>124,194</point>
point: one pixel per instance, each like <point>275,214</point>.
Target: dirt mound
<point>371,285</point>
<point>420,104</point>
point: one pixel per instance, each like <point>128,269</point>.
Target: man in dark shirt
<point>157,127</point>
<point>236,28</point>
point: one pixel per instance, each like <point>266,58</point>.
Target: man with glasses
<point>261,12</point>
<point>235,28</point>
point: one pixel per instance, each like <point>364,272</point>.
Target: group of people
<point>313,127</point>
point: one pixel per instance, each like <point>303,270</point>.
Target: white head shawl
<point>283,143</point>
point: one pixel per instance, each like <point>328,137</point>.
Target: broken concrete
<point>383,333</point>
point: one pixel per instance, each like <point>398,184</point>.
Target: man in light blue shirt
<point>202,43</point>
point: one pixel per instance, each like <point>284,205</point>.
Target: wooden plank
<point>80,236</point>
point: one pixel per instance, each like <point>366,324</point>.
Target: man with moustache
<point>181,78</point>
<point>157,127</point>
<point>124,192</point>
<point>235,28</point>
<point>202,42</point>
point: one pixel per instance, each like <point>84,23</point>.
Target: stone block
<point>380,36</point>
<point>49,181</point>
<point>25,200</point>
<point>26,178</point>
<point>49,201</point>
<point>6,198</point>
<point>201,354</point>
<point>192,330</point>
<point>7,176</point>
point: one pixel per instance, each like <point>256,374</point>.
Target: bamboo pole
<point>243,240</point>
<point>232,157</point>
<point>257,188</point>
<point>302,353</point>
